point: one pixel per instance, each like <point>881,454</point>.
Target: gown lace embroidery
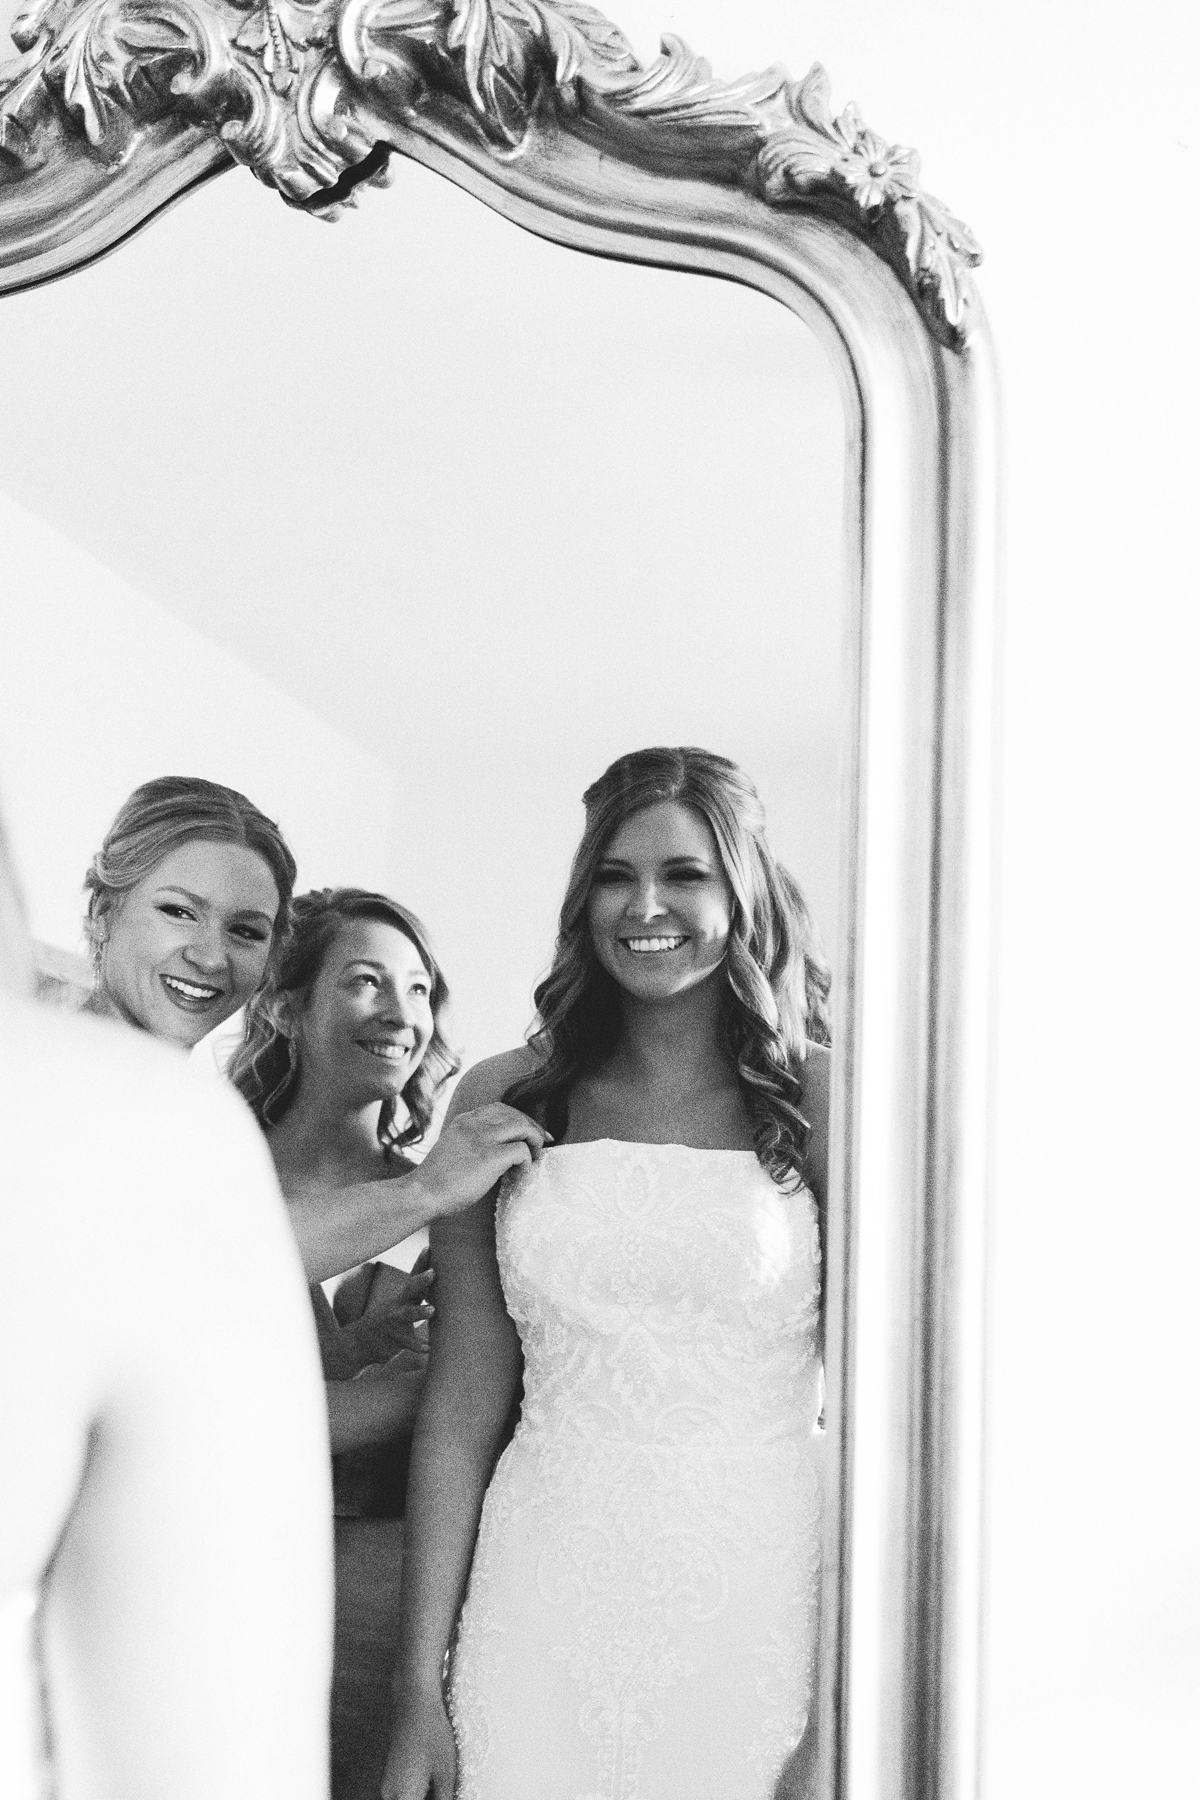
<point>641,1615</point>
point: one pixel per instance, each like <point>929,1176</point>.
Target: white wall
<point>101,688</point>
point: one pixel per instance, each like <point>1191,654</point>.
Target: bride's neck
<point>675,1043</point>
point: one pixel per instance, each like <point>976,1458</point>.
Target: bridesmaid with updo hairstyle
<point>179,1646</point>
<point>184,898</point>
<point>187,899</point>
<point>342,1061</point>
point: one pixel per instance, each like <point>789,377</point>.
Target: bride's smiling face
<point>660,908</point>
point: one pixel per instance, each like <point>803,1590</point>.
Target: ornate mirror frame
<point>114,109</point>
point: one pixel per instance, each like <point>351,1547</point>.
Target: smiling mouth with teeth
<point>195,992</point>
<point>386,1051</point>
<point>650,946</point>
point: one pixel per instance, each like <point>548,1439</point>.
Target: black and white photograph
<point>597,803</point>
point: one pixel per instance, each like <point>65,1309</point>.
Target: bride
<point>641,1567</point>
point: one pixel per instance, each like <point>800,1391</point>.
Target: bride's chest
<point>663,1241</point>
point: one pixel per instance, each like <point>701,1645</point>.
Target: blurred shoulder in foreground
<point>164,1478</point>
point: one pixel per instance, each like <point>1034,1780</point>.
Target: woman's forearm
<point>338,1228</point>
<point>454,1448</point>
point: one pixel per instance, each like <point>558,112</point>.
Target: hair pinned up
<point>161,815</point>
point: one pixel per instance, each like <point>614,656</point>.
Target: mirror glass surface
<point>407,527</point>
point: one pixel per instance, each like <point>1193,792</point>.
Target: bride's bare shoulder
<point>489,1080</point>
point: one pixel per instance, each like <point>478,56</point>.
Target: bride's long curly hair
<point>265,1069</point>
<point>776,976</point>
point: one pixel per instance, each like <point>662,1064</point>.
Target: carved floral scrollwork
<point>265,77</point>
<point>882,179</point>
<point>295,90</point>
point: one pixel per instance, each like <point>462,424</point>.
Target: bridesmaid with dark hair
<point>342,1062</point>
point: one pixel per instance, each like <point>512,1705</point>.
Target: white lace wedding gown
<point>641,1613</point>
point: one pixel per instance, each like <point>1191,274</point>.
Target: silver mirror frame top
<point>302,93</point>
<point>115,108</point>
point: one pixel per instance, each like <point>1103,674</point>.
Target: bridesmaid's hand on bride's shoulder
<point>422,1762</point>
<point>477,1147</point>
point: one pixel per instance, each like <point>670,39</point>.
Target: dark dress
<point>368,1504</point>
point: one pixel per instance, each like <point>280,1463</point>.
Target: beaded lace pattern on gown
<point>640,1620</point>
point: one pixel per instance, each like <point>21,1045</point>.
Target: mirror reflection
<point>392,542</point>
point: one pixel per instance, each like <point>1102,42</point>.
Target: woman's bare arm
<point>474,1370</point>
<point>338,1228</point>
<point>475,1365</point>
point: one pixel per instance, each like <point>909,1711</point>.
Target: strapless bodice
<point>664,1296</point>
